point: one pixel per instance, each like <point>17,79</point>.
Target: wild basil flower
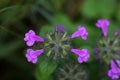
<point>108,47</point>
<point>31,37</point>
<point>83,55</point>
<point>57,44</point>
<point>81,32</point>
<point>32,56</point>
<point>114,72</point>
<point>103,24</point>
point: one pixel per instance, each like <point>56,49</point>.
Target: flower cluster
<point>30,39</point>
<point>56,44</point>
<point>108,48</point>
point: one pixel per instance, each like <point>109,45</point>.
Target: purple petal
<point>38,38</point>
<point>30,43</point>
<point>84,36</point>
<point>80,60</point>
<point>38,52</point>
<point>76,51</point>
<point>82,29</point>
<point>103,24</point>
<point>81,32</point>
<point>105,30</point>
<point>76,34</point>
<point>83,54</point>
<point>33,55</point>
<point>115,77</point>
<point>113,65</point>
<point>31,32</point>
<point>114,72</point>
<point>26,37</point>
<point>31,37</point>
<point>118,62</point>
<point>34,60</point>
<point>28,57</point>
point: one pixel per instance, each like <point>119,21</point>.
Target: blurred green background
<point>18,16</point>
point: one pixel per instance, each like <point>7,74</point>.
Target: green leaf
<point>118,12</point>
<point>45,68</point>
<point>98,8</point>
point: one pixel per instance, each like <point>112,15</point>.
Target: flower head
<point>81,32</point>
<point>32,55</point>
<point>103,24</point>
<point>56,44</point>
<point>83,55</point>
<point>31,37</point>
<point>114,72</point>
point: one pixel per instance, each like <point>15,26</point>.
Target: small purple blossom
<point>103,24</point>
<point>81,32</point>
<point>32,55</point>
<point>117,32</point>
<point>59,28</point>
<point>114,72</point>
<point>83,55</point>
<point>31,37</point>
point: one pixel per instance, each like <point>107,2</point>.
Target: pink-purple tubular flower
<point>83,55</point>
<point>32,55</point>
<point>31,37</point>
<point>81,32</point>
<point>114,72</point>
<point>103,24</point>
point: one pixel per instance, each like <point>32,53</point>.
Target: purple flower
<point>114,72</point>
<point>81,32</point>
<point>32,55</point>
<point>83,55</point>
<point>118,62</point>
<point>59,28</point>
<point>31,37</point>
<point>117,32</point>
<point>103,24</point>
